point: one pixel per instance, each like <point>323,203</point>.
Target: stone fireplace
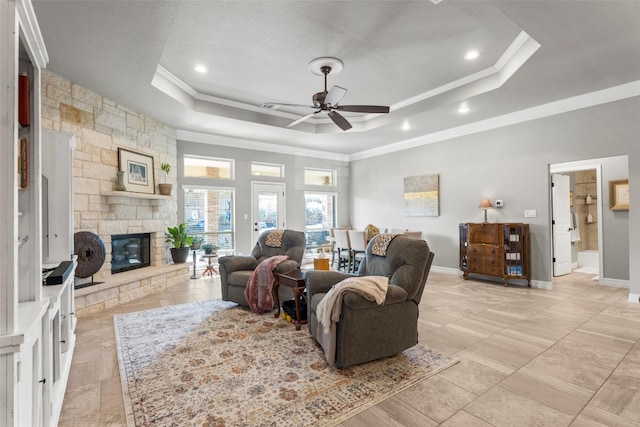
<point>132,227</point>
<point>102,126</point>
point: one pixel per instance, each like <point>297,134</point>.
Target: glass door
<point>268,207</point>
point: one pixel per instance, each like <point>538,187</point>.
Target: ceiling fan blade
<point>339,120</point>
<point>302,119</point>
<point>335,95</point>
<point>363,108</point>
<point>276,105</point>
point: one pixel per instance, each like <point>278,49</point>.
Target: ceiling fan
<point>327,101</point>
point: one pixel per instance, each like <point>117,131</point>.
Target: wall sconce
<point>485,204</point>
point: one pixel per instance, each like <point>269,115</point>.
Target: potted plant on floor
<point>210,248</point>
<point>165,189</point>
<point>181,241</point>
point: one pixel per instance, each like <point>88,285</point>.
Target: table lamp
<point>485,204</point>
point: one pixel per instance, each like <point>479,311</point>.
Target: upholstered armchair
<point>367,331</point>
<point>236,270</point>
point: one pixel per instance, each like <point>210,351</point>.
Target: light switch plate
<point>530,213</point>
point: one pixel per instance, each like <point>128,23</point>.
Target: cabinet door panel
<point>485,259</point>
<point>485,233</point>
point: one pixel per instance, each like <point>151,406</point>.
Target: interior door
<point>562,224</point>
<point>268,207</point>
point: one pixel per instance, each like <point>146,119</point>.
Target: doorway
<point>576,219</point>
<point>267,207</point>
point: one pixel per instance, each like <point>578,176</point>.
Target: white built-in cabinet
<point>37,322</point>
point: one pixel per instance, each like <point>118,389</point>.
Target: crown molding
<point>491,78</point>
<point>32,35</point>
<point>615,93</point>
<point>186,135</point>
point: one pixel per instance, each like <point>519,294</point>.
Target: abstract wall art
<point>421,195</point>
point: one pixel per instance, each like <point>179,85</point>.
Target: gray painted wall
<point>294,180</point>
<point>512,164</point>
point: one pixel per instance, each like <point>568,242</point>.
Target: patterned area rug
<point>212,364</point>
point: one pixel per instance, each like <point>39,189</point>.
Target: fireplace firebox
<point>130,251</point>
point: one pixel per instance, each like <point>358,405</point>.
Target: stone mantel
<point>116,197</point>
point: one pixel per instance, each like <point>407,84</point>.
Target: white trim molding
<point>615,282</point>
<point>186,135</point>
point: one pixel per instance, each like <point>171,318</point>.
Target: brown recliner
<point>367,331</point>
<point>235,270</point>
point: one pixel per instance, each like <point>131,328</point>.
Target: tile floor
<point>529,357</point>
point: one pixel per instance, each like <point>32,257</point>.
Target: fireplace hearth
<point>130,251</point>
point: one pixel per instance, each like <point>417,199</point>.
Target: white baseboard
<point>446,270</point>
<point>634,298</point>
<point>540,284</point>
<point>615,282</point>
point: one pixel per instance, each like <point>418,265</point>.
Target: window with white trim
<point>267,169</point>
<point>209,213</point>
<point>208,167</point>
<point>322,177</point>
<point>319,217</point>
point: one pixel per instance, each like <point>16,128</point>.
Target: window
<point>208,212</point>
<point>208,167</point>
<point>319,217</point>
<point>267,169</point>
<point>319,177</point>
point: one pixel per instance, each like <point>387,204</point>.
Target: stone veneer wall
<point>101,126</point>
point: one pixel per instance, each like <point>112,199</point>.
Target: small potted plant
<point>180,240</point>
<point>210,248</point>
<point>165,189</point>
<point>196,242</point>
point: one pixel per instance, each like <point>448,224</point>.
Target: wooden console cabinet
<point>496,249</point>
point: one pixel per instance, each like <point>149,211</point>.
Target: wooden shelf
<point>130,195</point>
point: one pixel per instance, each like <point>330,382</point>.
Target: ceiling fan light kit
<point>327,101</point>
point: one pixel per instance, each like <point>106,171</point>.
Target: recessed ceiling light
<point>463,109</point>
<point>201,69</point>
<point>406,125</point>
<point>472,54</point>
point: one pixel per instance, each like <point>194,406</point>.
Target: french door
<point>268,207</point>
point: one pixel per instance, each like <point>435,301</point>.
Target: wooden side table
<point>210,268</point>
<point>295,280</point>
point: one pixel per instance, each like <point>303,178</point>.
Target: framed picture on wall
<point>619,195</point>
<point>422,195</point>
<point>138,171</point>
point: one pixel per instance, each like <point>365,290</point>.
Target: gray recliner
<point>235,270</point>
<point>367,331</point>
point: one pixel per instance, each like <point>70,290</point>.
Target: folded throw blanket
<point>258,290</point>
<point>373,288</point>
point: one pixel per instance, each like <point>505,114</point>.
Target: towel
<point>575,230</point>
<point>373,288</point>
